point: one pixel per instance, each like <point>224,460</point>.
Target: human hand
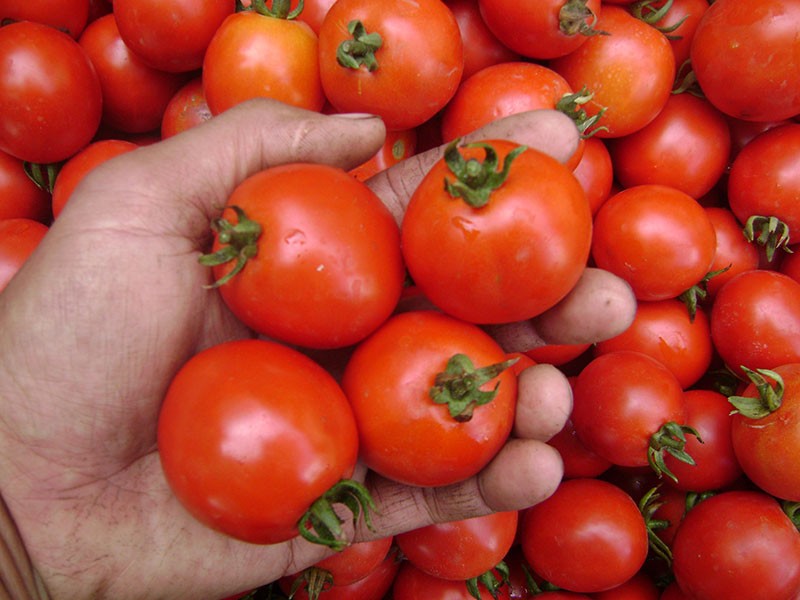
<point>113,302</point>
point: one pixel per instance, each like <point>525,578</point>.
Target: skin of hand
<point>112,303</point>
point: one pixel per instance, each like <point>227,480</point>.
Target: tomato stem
<point>571,104</point>
<point>670,439</point>
<point>489,580</point>
<point>476,180</point>
<point>572,19</point>
<point>699,291</point>
<point>458,386</point>
<point>647,11</point>
<point>770,232</point>
<point>280,9</point>
<point>648,505</point>
<point>316,580</point>
<point>768,400</point>
<point>321,525</point>
<point>238,243</point>
<point>360,49</point>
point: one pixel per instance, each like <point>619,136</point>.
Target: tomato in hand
<point>463,549</point>
<point>737,545</point>
<point>766,430</point>
<point>254,55</point>
<point>400,60</point>
<point>433,398</point>
<point>496,240</point>
<point>398,145</point>
<point>630,72</point>
<point>755,320</point>
<point>250,434</point>
<point>589,536</point>
<point>744,55</point>
<point>657,238</point>
<point>19,237</point>
<point>50,95</point>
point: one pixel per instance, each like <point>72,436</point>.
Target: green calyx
<point>238,244</point>
<point>43,175</point>
<point>279,9</point>
<point>648,506</point>
<point>315,581</point>
<point>770,232</point>
<point>769,398</point>
<point>490,581</point>
<point>699,292</point>
<point>649,12</point>
<point>321,525</point>
<point>458,386</point>
<point>572,19</point>
<point>476,180</point>
<point>572,106</point>
<point>360,49</point>
<point>670,439</point>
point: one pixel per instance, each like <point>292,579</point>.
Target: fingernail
<point>356,116</point>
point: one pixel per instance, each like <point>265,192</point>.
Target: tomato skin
<point>404,435</point>
<point>50,96</point>
<point>460,549</point>
<point>328,270</point>
<point>498,91</point>
<point>578,460</point>
<point>755,320</point>
<point>668,243</point>
<point>684,16</point>
<point>187,108</point>
<point>767,447</point>
<point>69,16</point>
<point>765,178</point>
<point>664,330</point>
<point>685,147</point>
<point>19,237</point>
<point>595,172</point>
<point>733,252</point>
<point>630,72</point>
<point>148,28</point>
<point>717,466</point>
<point>134,94</point>
<point>19,196</point>
<point>286,67</point>
<point>535,32</point>
<point>398,146</point>
<point>420,62</point>
<point>479,264</point>
<point>412,583</point>
<point>481,46</point>
<point>737,545</point>
<point>620,400</point>
<point>250,433</point>
<point>639,587</point>
<point>589,536</point>
<point>751,44</point>
<point>78,166</point>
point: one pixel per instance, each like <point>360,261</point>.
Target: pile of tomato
<point>682,451</point>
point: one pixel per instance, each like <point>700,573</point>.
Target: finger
<point>549,131</point>
<point>522,474</point>
<point>599,307</point>
<point>543,404</point>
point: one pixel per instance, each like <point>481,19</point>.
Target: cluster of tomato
<point>682,451</point>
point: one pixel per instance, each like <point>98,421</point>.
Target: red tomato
<point>668,242</point>
<point>766,433</point>
<point>19,196</point>
<point>412,583</point>
<point>716,465</point>
<point>134,94</point>
<point>19,237</point>
<point>253,55</point>
<point>50,96</point>
<point>685,147</point>
<point>764,182</point>
<point>755,320</point>
<point>187,108</point>
<point>250,434</point>
<point>481,46</point>
<point>406,70</point>
<point>677,19</point>
<point>472,255</point>
<point>630,72</point>
<point>664,330</point>
<point>174,36</point>
<point>399,383</point>
<point>743,132</point>
<point>620,401</point>
<point>498,91</point>
<point>737,545</point>
<point>79,165</point>
<point>554,29</point>
<point>462,549</point>
<point>790,265</point>
<point>589,536</point>
<point>327,268</point>
<point>639,587</point>
<point>397,146</point>
<point>69,16</point>
<point>734,253</point>
<point>578,460</point>
<point>595,172</point>
<point>750,46</point>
